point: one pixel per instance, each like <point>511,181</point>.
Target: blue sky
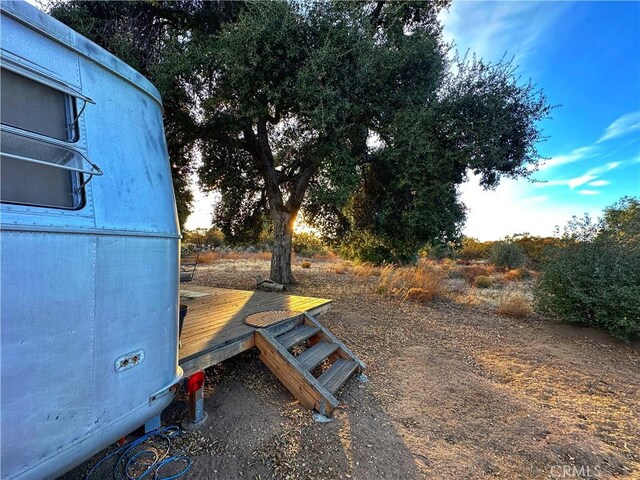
<point>586,58</point>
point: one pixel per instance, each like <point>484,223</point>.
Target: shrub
<point>340,268</point>
<point>366,247</point>
<point>535,248</point>
<point>203,238</point>
<point>308,245</point>
<point>366,270</point>
<point>472,272</point>
<point>305,264</point>
<point>440,251</point>
<point>482,281</point>
<point>594,277</point>
<point>515,305</point>
<point>473,249</point>
<point>420,283</point>
<point>507,255</point>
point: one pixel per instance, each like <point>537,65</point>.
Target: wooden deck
<point>213,329</point>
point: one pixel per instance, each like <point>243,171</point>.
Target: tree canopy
<point>354,113</point>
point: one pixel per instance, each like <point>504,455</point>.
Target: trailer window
<point>40,185</point>
<point>35,107</point>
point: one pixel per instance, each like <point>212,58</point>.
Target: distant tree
<point>622,219</point>
<point>507,254</point>
<point>473,249</point>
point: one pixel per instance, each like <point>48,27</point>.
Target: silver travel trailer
<point>89,249</point>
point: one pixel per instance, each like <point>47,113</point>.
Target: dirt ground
<point>453,392</point>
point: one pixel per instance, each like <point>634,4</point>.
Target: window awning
<point>37,76</point>
<point>26,148</point>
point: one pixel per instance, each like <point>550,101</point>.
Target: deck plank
<point>214,330</point>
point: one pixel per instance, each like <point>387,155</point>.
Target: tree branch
<point>301,185</point>
<point>375,15</point>
<point>264,160</point>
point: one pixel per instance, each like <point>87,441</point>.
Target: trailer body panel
<point>89,288</point>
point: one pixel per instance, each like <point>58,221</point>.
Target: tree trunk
<point>281,252</point>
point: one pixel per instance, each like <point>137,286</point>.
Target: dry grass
<point>366,270</point>
<point>340,268</point>
<point>212,257</point>
<point>420,295</point>
<point>305,264</point>
<point>515,305</point>
<point>471,272</point>
<point>208,257</point>
<point>324,256</point>
<point>512,275</point>
<point>421,283</point>
<point>469,299</point>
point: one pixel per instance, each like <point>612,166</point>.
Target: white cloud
<point>491,29</point>
<point>599,183</point>
<point>581,180</point>
<point>612,165</point>
<point>575,155</point>
<point>622,126</point>
<point>588,192</point>
<point>589,177</point>
<point>513,207</point>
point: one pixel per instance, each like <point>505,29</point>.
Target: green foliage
<point>473,249</point>
<point>482,281</point>
<point>440,251</point>
<point>307,244</point>
<point>364,246</point>
<point>507,255</point>
<point>593,277</point>
<point>622,220</point>
<point>360,106</point>
<point>203,238</point>
<point>479,119</point>
<point>535,249</point>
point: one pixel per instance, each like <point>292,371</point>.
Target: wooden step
<point>328,336</point>
<point>312,357</point>
<point>295,372</point>
<point>337,374</point>
<point>297,336</point>
<point>304,386</point>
